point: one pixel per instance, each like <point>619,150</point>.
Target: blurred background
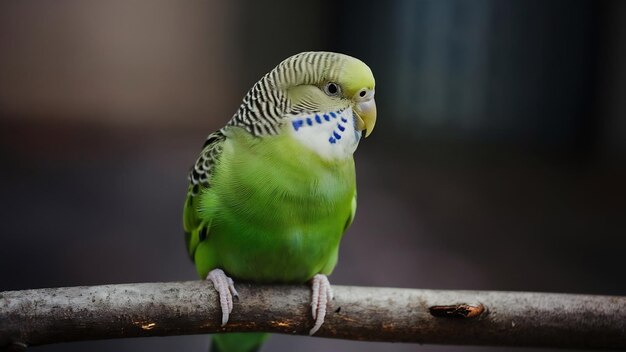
<point>498,161</point>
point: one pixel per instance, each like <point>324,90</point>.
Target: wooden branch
<point>43,316</point>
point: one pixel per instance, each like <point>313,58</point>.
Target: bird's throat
<point>331,135</point>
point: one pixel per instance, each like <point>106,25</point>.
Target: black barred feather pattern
<point>265,105</point>
<point>260,112</point>
<point>200,173</point>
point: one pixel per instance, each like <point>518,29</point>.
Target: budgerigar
<point>274,190</point>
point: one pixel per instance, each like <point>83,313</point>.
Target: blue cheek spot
<point>318,119</point>
<point>332,140</point>
<point>341,128</point>
<point>326,117</point>
<point>336,135</point>
<point>332,113</point>
<point>309,121</point>
<point>297,124</point>
<point>344,120</point>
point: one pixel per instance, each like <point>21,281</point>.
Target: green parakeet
<point>273,192</point>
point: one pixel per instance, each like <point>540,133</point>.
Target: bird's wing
<point>197,228</point>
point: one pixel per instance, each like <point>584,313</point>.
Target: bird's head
<point>325,81</point>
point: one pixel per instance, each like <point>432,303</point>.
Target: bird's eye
<point>332,89</point>
<point>362,93</point>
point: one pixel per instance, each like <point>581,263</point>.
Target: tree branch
<point>43,316</point>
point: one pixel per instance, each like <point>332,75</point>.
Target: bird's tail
<point>238,342</point>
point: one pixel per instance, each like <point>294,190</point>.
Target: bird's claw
<point>225,288</point>
<point>321,295</point>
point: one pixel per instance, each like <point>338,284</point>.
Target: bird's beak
<point>365,116</point>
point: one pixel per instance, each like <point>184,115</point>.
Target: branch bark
<point>51,315</point>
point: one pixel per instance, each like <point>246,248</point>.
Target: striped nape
<point>265,106</point>
<point>262,109</point>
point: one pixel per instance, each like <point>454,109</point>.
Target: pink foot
<point>225,287</point>
<point>320,297</point>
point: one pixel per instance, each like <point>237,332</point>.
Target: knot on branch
<point>457,311</point>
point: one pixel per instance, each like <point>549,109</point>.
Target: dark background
<point>498,161</point>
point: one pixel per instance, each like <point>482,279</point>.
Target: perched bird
<point>274,190</point>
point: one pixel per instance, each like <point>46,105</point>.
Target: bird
<point>272,193</point>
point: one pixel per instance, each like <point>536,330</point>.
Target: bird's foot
<point>225,288</point>
<point>321,295</point>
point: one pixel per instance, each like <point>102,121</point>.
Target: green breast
<point>277,210</point>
